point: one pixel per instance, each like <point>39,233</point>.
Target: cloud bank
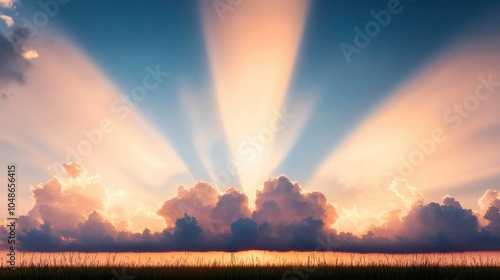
<point>70,214</point>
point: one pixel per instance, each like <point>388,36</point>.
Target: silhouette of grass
<point>69,266</point>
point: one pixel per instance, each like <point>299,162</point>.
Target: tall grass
<point>250,266</point>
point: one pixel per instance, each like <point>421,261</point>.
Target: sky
<point>206,125</point>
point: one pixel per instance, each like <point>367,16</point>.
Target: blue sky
<point>357,116</point>
<point>123,37</point>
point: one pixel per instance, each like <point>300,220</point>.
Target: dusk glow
<point>232,133</point>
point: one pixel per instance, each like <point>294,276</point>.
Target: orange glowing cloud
<point>72,213</point>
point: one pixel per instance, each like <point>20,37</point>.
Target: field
<point>256,272</point>
<point>300,266</point>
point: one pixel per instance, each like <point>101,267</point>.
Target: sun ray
<point>420,135</point>
<point>67,113</point>
<point>252,54</point>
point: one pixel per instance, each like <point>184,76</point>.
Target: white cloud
<point>409,194</point>
<point>8,20</point>
<point>7,3</point>
<point>30,54</point>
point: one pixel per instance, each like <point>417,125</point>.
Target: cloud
<point>442,227</point>
<point>66,202</point>
<point>409,194</point>
<point>13,64</point>
<point>71,213</point>
<point>434,227</point>
<point>450,201</point>
<point>95,229</point>
<point>8,3</point>
<point>29,54</point>
<point>188,232</point>
<point>74,169</point>
<point>244,234</point>
<point>9,21</point>
<point>232,205</point>
<point>93,128</point>
<point>493,216</point>
<point>489,212</point>
<point>389,227</point>
<point>284,202</point>
<point>490,198</point>
<point>197,201</point>
<point>412,138</point>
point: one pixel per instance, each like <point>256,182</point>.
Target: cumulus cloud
<point>390,226</point>
<point>70,214</point>
<point>232,205</point>
<point>197,201</point>
<point>450,201</point>
<point>284,202</point>
<point>66,202</point>
<point>490,198</point>
<point>493,216</point>
<point>443,227</point>
<point>489,211</point>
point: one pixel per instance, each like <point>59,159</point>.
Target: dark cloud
<point>69,215</point>
<point>232,205</point>
<point>445,227</point>
<point>95,229</point>
<point>244,235</point>
<point>493,217</point>
<point>43,238</point>
<point>188,234</point>
<point>13,65</point>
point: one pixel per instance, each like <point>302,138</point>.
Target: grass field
<point>301,266</point>
<point>323,272</point>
